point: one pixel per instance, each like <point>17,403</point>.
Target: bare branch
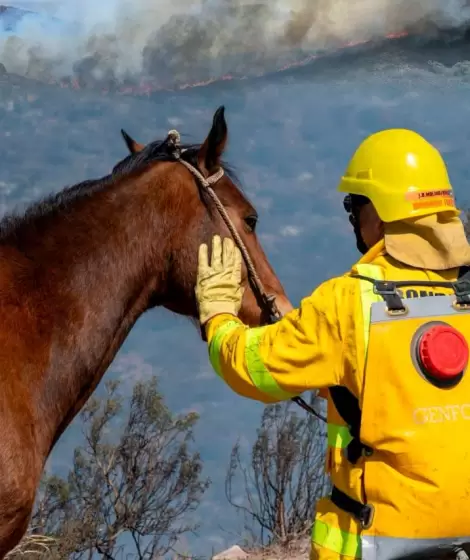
<point>285,478</point>
<point>135,475</point>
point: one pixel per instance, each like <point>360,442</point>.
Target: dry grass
<point>32,546</point>
<point>298,549</point>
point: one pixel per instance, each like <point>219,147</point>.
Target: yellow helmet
<point>402,174</point>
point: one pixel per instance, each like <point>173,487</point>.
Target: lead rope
<point>268,300</point>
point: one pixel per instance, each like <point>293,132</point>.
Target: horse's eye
<point>251,222</point>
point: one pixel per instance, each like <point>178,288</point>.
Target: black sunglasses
<point>352,203</point>
<point>347,203</point>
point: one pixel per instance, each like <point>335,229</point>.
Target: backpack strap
<point>347,406</point>
<point>364,513</point>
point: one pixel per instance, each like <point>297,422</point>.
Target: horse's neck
<point>100,273</point>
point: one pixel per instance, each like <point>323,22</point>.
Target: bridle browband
<point>267,302</point>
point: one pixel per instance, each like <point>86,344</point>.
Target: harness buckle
<point>388,291</point>
<point>462,292</point>
<point>394,312</point>
<point>385,288</point>
<point>363,513</point>
<point>355,450</point>
<point>460,306</point>
<point>366,517</point>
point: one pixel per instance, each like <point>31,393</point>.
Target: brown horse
<point>76,272</point>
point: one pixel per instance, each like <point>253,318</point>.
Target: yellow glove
<point>218,288</point>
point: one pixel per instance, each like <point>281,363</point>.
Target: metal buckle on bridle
<point>173,141</point>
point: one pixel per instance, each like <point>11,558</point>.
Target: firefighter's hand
<point>218,285</point>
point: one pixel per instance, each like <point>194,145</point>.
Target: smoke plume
<point>177,41</point>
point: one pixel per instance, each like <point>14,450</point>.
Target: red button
<point>443,352</point>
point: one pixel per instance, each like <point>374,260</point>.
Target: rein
<point>267,302</point>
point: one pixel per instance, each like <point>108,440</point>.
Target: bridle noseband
<point>267,302</point>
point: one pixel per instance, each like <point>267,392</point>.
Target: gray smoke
<point>175,41</point>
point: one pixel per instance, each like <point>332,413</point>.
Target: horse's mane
<point>51,205</point>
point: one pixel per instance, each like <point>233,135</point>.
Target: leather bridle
<point>267,302</point>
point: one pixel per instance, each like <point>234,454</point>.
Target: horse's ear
<point>131,144</point>
<point>208,157</point>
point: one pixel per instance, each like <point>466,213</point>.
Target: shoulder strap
<point>347,406</point>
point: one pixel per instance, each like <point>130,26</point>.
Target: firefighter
<point>387,343</point>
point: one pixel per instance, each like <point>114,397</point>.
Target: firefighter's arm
<point>303,351</point>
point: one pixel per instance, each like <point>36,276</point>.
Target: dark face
<point>367,225</point>
<point>196,220</point>
<point>371,226</point>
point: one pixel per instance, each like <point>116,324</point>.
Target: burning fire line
<point>147,89</point>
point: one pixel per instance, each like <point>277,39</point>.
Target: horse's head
<point>193,218</point>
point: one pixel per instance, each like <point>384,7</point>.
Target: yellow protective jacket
<point>322,345</point>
